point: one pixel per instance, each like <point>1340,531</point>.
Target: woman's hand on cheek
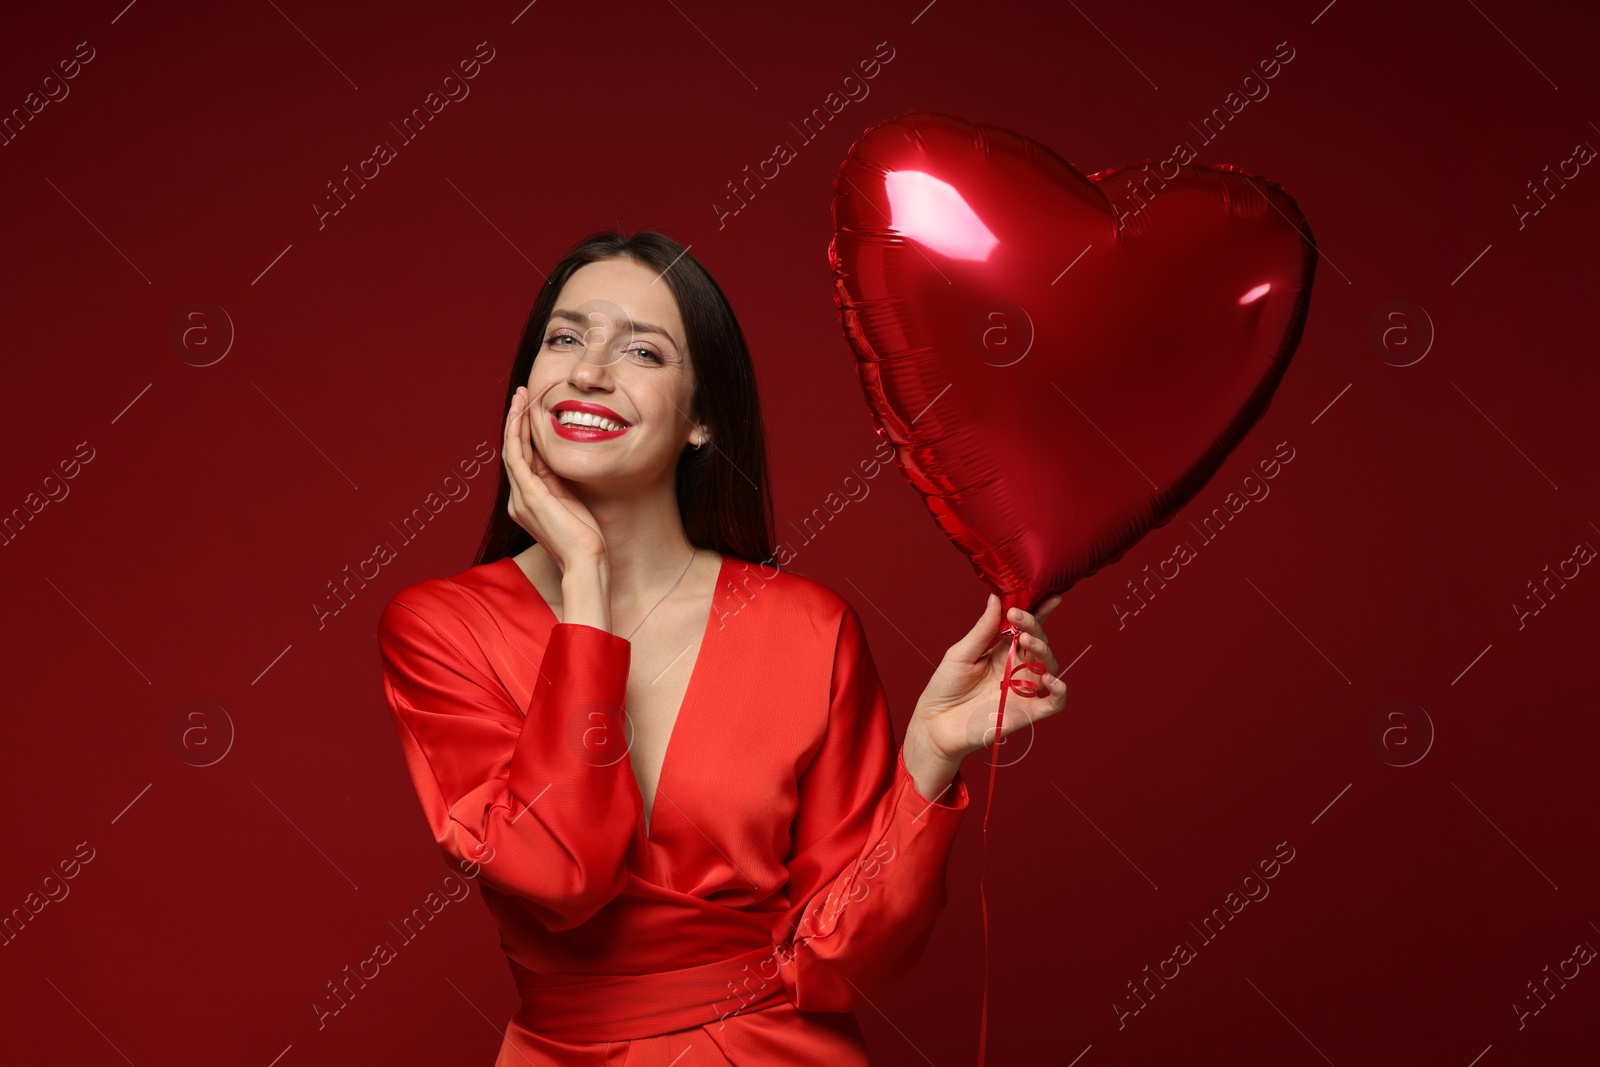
<point>540,502</point>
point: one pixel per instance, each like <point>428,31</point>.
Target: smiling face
<point>615,346</point>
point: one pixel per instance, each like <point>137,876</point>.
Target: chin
<point>573,463</point>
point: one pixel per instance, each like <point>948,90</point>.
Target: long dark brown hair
<point>723,496</point>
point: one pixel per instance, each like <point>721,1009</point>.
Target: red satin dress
<point>790,871</point>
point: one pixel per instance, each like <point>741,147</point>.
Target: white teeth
<point>583,418</point>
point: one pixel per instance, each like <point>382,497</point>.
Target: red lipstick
<point>587,433</point>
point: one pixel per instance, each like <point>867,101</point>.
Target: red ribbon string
<point>1025,688</point>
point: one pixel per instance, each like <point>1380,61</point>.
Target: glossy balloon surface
<point>1061,361</point>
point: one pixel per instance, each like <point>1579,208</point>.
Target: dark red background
<point>371,358</point>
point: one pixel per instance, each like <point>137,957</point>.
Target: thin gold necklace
<point>692,552</point>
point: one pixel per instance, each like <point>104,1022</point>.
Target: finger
<point>1058,692</point>
<point>1022,712</point>
<point>511,412</point>
<point>533,411</point>
<point>509,433</point>
<point>1051,699</point>
<point>536,461</point>
<point>522,422</point>
<point>525,485</point>
<point>1048,606</point>
<point>1037,651</point>
<point>1027,622</point>
<point>971,647</point>
<point>512,453</point>
<point>535,456</point>
<point>539,473</point>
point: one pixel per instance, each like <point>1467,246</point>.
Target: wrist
<point>921,729</point>
<point>931,770</point>
<point>585,565</point>
<point>585,593</point>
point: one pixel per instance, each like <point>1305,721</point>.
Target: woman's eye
<point>554,339</point>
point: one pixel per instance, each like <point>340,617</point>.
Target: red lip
<point>593,409</point>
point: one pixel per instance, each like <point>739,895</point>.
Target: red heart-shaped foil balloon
<point>1060,361</point>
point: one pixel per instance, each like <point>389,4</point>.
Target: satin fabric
<point>790,873</point>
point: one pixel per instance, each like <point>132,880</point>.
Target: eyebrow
<point>630,324</point>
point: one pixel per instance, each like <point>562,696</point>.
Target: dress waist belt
<point>587,1007</point>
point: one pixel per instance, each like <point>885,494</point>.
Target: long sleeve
<point>868,853</point>
<point>545,802</point>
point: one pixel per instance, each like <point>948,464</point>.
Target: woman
<point>670,764</point>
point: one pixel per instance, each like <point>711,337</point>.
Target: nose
<point>592,368</point>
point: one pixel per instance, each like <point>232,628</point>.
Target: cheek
<point>541,379</point>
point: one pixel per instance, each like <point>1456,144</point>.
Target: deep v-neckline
<point>647,818</point>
